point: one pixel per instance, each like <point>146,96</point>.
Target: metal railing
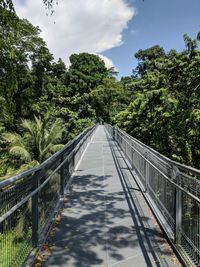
<point>29,201</point>
<point>172,190</point>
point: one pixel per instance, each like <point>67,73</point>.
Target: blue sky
<point>113,29</point>
<point>160,22</point>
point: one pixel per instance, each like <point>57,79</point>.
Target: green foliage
<point>144,56</point>
<point>165,106</point>
<point>106,99</point>
<point>159,103</point>
<point>18,41</point>
<point>85,73</point>
<point>38,140</point>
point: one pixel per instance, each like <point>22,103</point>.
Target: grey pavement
<point>106,221</point>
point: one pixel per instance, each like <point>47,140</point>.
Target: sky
<point>113,29</point>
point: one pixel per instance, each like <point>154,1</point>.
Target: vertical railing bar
<point>62,178</point>
<point>178,207</point>
<point>132,156</point>
<point>147,172</point>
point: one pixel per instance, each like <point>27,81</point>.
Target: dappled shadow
<point>83,237</point>
<point>155,240</point>
<point>103,222</point>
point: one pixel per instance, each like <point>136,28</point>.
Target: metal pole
<point>116,135</point>
<point>113,133</point>
<point>132,155</point>
<point>147,173</point>
<point>178,207</point>
<point>126,147</point>
<point>62,176</point>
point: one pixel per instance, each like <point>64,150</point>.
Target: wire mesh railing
<point>173,191</point>
<point>28,202</point>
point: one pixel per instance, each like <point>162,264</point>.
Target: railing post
<point>126,147</point>
<point>178,206</point>
<point>62,178</point>
<point>116,135</point>
<point>35,211</point>
<point>132,154</point>
<point>73,157</point>
<point>147,173</point>
<point>113,133</point>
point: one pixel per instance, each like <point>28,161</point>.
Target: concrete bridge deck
<point>106,221</point>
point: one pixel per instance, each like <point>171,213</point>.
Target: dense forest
<point>44,104</point>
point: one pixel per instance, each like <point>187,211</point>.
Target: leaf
<point>21,152</point>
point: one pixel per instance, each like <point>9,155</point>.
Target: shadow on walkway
<point>106,221</point>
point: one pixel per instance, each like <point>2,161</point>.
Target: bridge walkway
<point>106,220</point>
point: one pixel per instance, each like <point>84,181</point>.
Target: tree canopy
<point>165,107</point>
<point>159,103</point>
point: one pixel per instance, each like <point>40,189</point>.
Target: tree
<point>85,73</point>
<point>143,56</point>
<point>58,69</point>
<point>150,118</point>
<point>191,45</point>
<point>39,139</point>
<point>164,108</point>
<point>17,42</point>
<point>106,99</point>
<point>41,68</point>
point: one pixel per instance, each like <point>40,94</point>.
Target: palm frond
<point>29,165</point>
<point>38,123</point>
<point>55,133</point>
<point>55,148</point>
<point>40,130</point>
<point>38,140</point>
<point>21,152</point>
<point>12,138</point>
<point>50,149</point>
<point>28,125</point>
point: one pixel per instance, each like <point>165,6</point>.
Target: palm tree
<point>39,140</point>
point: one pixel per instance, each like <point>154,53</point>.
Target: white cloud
<point>77,26</point>
<point>108,61</point>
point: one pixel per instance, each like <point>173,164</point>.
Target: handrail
<point>42,165</point>
<point>178,164</point>
<point>172,191</point>
<point>29,200</point>
<point>13,209</point>
<point>166,177</point>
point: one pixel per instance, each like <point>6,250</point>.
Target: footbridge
<point>105,199</point>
